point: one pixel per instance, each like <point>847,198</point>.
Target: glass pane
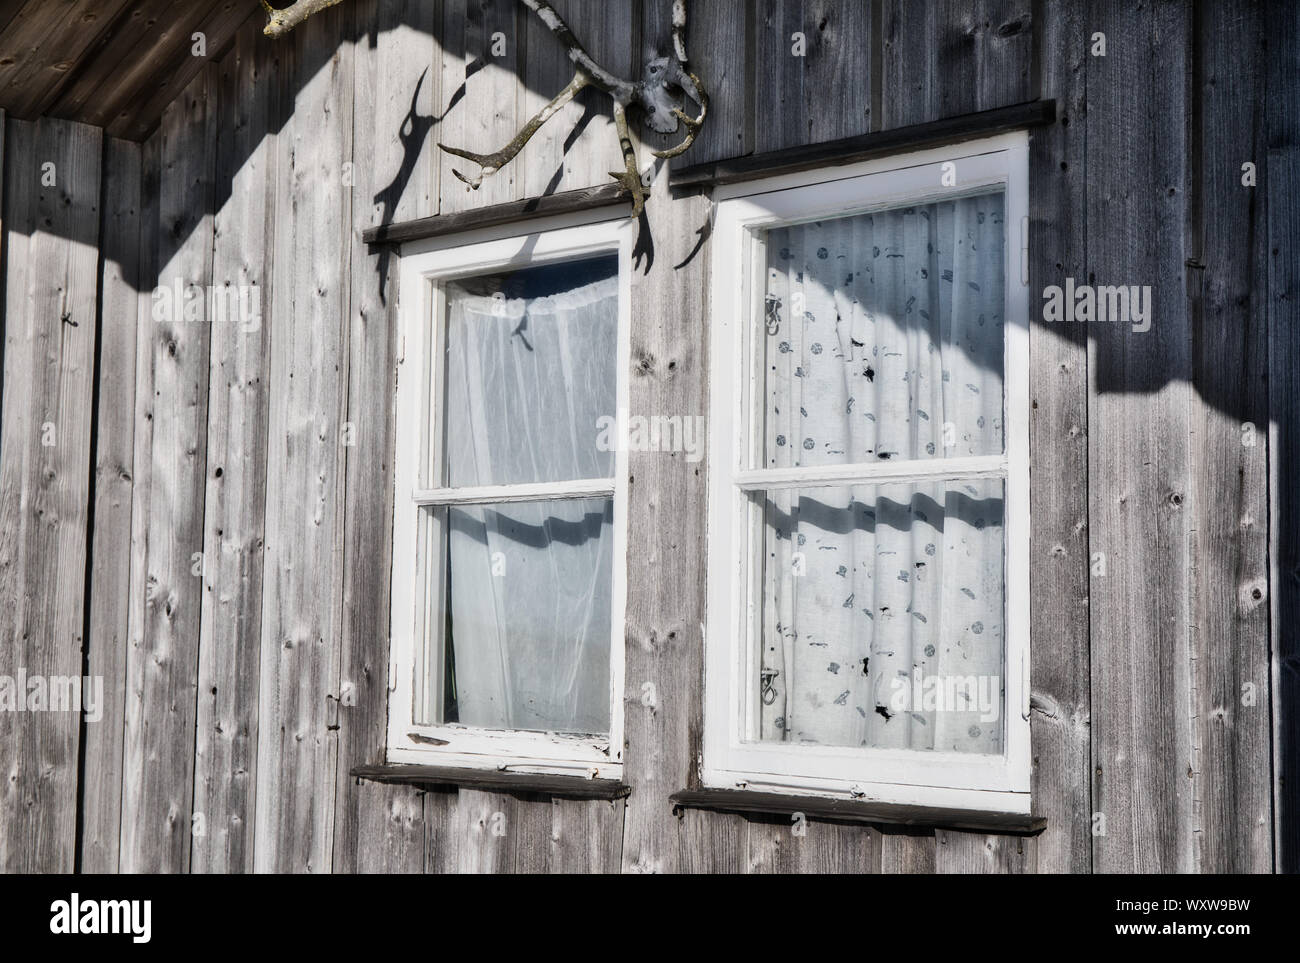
<point>882,616</point>
<point>527,621</point>
<point>884,336</point>
<point>531,368</point>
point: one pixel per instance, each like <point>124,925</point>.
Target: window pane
<point>884,336</point>
<point>531,367</point>
<point>882,616</point>
<point>527,628</point>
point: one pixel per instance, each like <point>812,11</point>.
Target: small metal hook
<point>772,314</point>
<point>768,695</point>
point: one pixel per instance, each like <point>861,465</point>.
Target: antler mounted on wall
<point>659,95</point>
<point>280,22</point>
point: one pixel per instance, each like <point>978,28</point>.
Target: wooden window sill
<point>494,780</point>
<point>856,811</point>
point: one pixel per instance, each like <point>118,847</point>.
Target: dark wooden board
<point>851,810</point>
<point>493,780</point>
<point>493,215</point>
<point>866,146</point>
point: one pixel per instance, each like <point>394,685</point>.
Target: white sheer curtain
<point>884,341</point>
<point>530,367</point>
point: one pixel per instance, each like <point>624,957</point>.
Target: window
<point>509,514</point>
<point>869,482</point>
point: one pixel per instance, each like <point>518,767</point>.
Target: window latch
<point>769,691</point>
<point>1024,250</point>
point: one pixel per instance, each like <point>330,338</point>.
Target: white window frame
<point>998,783</point>
<point>425,267</point>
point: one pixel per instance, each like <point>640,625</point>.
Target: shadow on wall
<point>1143,372</point>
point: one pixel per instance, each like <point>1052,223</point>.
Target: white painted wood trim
<point>880,473</point>
<point>731,758</point>
<point>416,582</point>
<point>501,494</point>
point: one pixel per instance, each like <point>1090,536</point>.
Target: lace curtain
<point>530,367</point>
<point>884,342</point>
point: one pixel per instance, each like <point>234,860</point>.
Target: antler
<point>280,22</point>
<point>491,163</point>
<point>681,75</point>
<point>656,94</point>
<point>653,94</point>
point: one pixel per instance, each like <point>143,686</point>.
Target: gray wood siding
<point>1229,324</point>
<point>162,666</point>
<point>1139,461</point>
<point>51,248</point>
<point>110,579</point>
<point>240,697</point>
<point>234,504</point>
<point>1058,449</point>
<point>1282,165</point>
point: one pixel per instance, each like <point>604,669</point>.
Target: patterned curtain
<point>882,606</point>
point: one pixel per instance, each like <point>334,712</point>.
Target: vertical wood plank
<point>163,663</point>
<point>952,57</point>
<point>578,146</point>
<point>142,457</point>
<point>51,243</point>
<point>813,72</point>
<point>225,764</point>
<point>720,38</point>
<point>1229,481</point>
<point>534,834</point>
<point>666,512</point>
<point>394,837</point>
<point>1283,186</point>
<point>1139,464</point>
<point>906,853</point>
<point>965,853</point>
<point>297,754</point>
<point>1058,425</point>
<point>774,846</point>
<point>110,580</point>
<point>441,832</point>
<point>1282,183</point>
<point>485,829</point>
<point>1284,448</point>
<point>712,842</point>
<point>392,180</point>
<point>587,836</point>
<point>489,114</point>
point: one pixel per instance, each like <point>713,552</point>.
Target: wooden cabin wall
<point>211,531</point>
<point>51,234</point>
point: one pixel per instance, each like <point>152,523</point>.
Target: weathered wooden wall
<point>223,540</point>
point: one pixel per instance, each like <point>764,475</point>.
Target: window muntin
<point>876,376</point>
<point>510,517</point>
